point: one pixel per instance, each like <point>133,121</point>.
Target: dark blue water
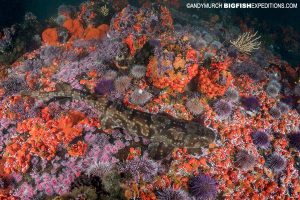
<point>13,11</point>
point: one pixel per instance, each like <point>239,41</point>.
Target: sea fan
<point>247,42</point>
<point>141,168</point>
<point>138,71</point>
<point>294,140</point>
<point>261,139</point>
<point>223,109</point>
<point>244,160</point>
<point>203,187</point>
<point>140,97</point>
<point>171,194</point>
<point>122,84</point>
<point>276,162</point>
<point>194,106</point>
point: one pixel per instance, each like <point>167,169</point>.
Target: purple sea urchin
<point>203,187</point>
<point>143,167</point>
<point>250,103</point>
<point>223,108</point>
<point>261,139</point>
<point>122,83</point>
<point>244,160</point>
<point>104,86</point>
<point>294,140</point>
<point>276,162</point>
<point>140,97</point>
<point>138,71</point>
<point>232,95</point>
<point>194,106</point>
<point>171,194</point>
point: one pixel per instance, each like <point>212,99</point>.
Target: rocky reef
<point>133,102</point>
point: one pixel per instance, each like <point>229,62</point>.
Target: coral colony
<point>122,102</point>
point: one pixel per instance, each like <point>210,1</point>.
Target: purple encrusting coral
<point>203,187</point>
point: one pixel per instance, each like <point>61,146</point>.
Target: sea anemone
<point>250,103</point>
<point>110,74</point>
<point>275,83</point>
<point>138,168</point>
<point>194,106</point>
<point>260,139</point>
<point>140,97</point>
<point>283,107</point>
<point>276,162</point>
<point>203,187</point>
<point>244,160</point>
<point>272,90</point>
<point>275,112</point>
<point>223,108</point>
<point>171,194</point>
<point>99,169</point>
<point>297,90</point>
<point>138,71</point>
<point>294,140</point>
<point>232,95</point>
<point>122,83</point>
<point>104,86</point>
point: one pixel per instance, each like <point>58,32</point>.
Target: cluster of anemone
<point>194,106</point>
<point>203,187</point>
